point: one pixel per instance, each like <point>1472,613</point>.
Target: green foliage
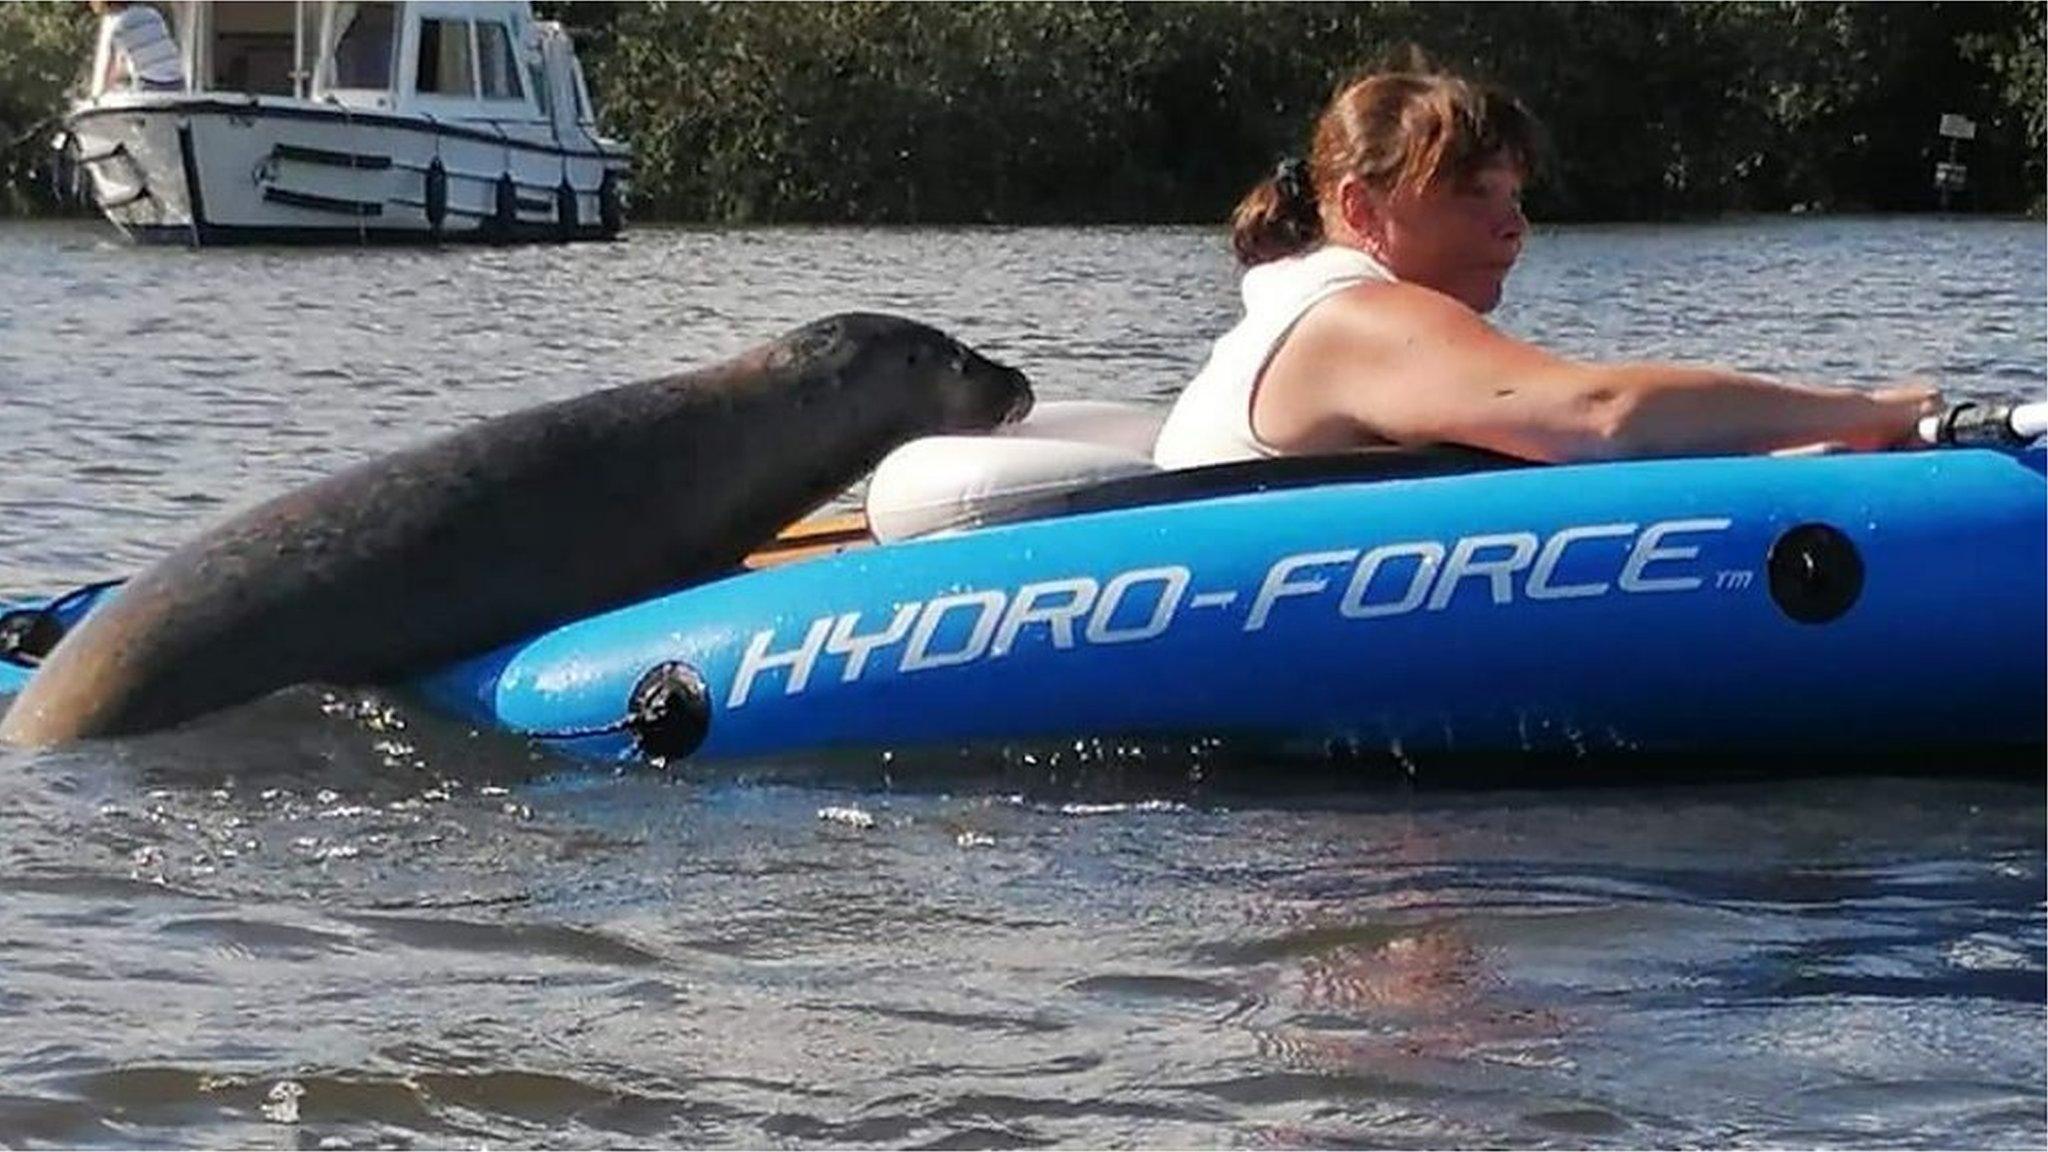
<point>2016,54</point>
<point>1022,111</point>
<point>1029,111</point>
<point>43,51</point>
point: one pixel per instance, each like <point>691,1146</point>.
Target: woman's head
<point>1422,169</point>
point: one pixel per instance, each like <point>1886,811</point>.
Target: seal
<point>510,526</point>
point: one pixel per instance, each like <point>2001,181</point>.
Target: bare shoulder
<point>1392,331</point>
<point>1412,340</point>
<point>1404,312</point>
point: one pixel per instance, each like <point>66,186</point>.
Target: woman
<point>1370,268</point>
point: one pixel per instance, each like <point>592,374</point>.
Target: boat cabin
<point>348,121</point>
<point>446,58</point>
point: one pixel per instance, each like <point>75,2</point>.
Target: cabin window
<point>497,68</point>
<point>362,50</point>
<point>445,67</point>
<point>253,48</point>
<point>537,76</point>
<point>583,113</point>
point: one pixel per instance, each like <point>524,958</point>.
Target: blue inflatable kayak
<point>1852,605</point>
<point>1840,604</point>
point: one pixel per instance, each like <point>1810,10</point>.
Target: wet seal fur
<point>516,524</point>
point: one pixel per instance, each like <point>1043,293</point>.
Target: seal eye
<point>958,357</point>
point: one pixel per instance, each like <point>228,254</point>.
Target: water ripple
<point>324,921</point>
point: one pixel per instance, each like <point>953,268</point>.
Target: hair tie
<point>1291,179</point>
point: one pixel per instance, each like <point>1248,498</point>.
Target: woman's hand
<point>1909,402</point>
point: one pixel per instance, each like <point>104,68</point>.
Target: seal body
<point>510,526</point>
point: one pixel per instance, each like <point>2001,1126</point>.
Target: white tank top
<point>1212,421</point>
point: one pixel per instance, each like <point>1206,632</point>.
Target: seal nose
<point>1021,398</point>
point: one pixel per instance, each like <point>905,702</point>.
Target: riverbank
<point>1031,113</point>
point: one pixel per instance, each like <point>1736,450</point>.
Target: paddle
<point>816,536</point>
<point>1971,422</point>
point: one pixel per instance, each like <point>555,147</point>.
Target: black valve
<point>1815,573</point>
<point>669,713</point>
<point>28,634</point>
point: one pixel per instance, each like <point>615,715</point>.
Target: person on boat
<point>136,49</point>
<point>1371,266</point>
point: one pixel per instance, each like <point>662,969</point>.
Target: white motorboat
<point>336,122</point>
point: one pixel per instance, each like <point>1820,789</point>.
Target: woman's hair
<point>1397,129</point>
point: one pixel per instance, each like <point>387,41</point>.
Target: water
<point>324,923</point>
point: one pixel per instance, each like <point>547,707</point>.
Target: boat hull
<point>212,170</point>
<point>1850,606</point>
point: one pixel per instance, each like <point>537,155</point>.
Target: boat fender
<point>1815,573</point>
<point>669,712</point>
<point>508,204</point>
<point>565,209</point>
<point>610,211</point>
<point>436,196</point>
<point>28,634</point>
<point>67,175</point>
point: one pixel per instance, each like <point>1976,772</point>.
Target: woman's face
<point>1459,236</point>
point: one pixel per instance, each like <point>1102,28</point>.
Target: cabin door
<point>565,99</point>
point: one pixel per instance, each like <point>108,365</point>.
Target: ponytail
<point>1278,217</point>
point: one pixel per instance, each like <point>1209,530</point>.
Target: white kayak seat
<point>1113,422</point>
<point>941,483</point>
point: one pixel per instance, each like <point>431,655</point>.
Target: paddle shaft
<point>1975,422</point>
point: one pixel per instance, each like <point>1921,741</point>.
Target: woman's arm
<point>1679,410</point>
<point>1406,364</point>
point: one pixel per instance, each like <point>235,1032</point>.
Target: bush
<point>44,49</point>
<point>1026,111</point>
